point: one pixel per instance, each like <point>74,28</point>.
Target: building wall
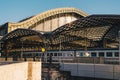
<point>3,29</point>
<point>92,70</point>
<point>45,21</point>
<point>21,71</point>
<point>53,22</point>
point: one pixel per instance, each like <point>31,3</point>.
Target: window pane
<point>55,54</point>
<point>51,54</point>
<point>116,54</point>
<point>93,54</point>
<point>81,54</point>
<point>101,54</point>
<point>109,54</point>
<point>47,54</point>
<point>59,54</point>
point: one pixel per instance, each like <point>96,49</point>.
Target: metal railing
<point>20,59</point>
<point>96,60</point>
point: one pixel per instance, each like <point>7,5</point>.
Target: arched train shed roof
<point>19,33</point>
<point>30,21</point>
<point>93,29</point>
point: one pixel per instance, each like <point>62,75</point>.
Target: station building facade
<point>61,29</point>
<point>46,21</point>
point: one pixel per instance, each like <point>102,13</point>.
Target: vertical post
<point>6,54</point>
<point>1,46</point>
<point>94,66</point>
<point>21,55</point>
<point>86,54</point>
<point>75,56</point>
<point>6,51</point>
<point>119,46</point>
<point>35,25</point>
<point>43,50</point>
<point>58,20</point>
<point>43,24</point>
<point>85,32</point>
<point>59,52</point>
<point>49,67</point>
<point>50,23</point>
<point>113,72</point>
<point>22,51</point>
<point>77,62</point>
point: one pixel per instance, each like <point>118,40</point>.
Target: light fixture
<point>86,54</point>
<point>43,50</point>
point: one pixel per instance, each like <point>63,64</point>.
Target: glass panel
<point>77,54</point>
<point>55,54</point>
<point>109,54</point>
<point>116,54</point>
<point>93,54</point>
<point>47,54</point>
<point>101,54</point>
<point>59,54</point>
<point>51,54</point>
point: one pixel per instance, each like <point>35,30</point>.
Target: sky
<point>16,10</point>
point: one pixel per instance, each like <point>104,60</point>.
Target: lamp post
<point>59,52</point>
<point>119,46</point>
<point>42,50</point>
<point>86,54</point>
<point>21,56</point>
<point>0,48</point>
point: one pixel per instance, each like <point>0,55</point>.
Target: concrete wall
<point>92,70</point>
<point>21,71</point>
<point>36,71</point>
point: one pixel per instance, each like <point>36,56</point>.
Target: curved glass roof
<point>95,31</point>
